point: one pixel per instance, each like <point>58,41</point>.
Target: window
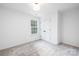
<point>33,26</point>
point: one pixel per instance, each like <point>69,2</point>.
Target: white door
<point>45,34</point>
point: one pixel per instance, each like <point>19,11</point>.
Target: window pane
<point>33,26</point>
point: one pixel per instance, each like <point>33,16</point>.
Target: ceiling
<point>50,8</point>
<point>45,8</point>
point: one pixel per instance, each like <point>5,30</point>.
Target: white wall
<point>53,27</point>
<point>14,28</point>
<point>70,29</point>
<point>59,26</point>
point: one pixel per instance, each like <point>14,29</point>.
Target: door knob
<point>44,31</point>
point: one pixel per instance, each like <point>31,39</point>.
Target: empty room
<point>39,29</point>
